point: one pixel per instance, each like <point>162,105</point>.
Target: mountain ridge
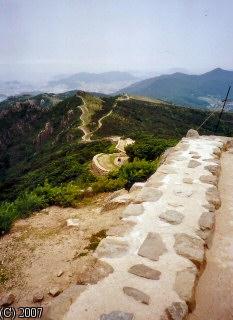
<point>185,89</point>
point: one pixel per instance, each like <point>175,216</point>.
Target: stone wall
<point>158,253</point>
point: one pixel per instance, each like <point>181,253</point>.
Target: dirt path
<point>86,132</point>
<point>43,252</point>
<point>214,295</point>
<point>105,162</point>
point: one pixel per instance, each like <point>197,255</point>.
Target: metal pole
<point>224,103</point>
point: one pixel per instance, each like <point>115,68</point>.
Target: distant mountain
<point>106,82</point>
<point>191,90</point>
<point>2,97</point>
<point>9,88</point>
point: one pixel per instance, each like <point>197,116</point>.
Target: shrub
<point>126,176</point>
<point>107,184</point>
<point>64,195</point>
<point>148,148</point>
<point>137,171</point>
<point>28,203</point>
<point>7,215</point>
<point>68,195</point>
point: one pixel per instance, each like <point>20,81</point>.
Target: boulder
<point>192,134</point>
<point>93,271</point>
<point>206,220</point>
<point>117,202</point>
<point>144,271</point>
<point>137,295</point>
<point>209,179</point>
<point>172,216</point>
<point>117,315</point>
<point>189,247</point>
<point>214,169</point>
<point>213,197</point>
<point>7,299</point>
<point>177,311</point>
<point>193,164</point>
<point>149,194</point>
<point>89,191</point>
<point>55,291</point>
<point>38,297</point>
<point>152,247</point>
<point>185,285</point>
<point>217,152</point>
<point>209,207</point>
<point>206,235</point>
<point>133,210</point>
<point>111,248</point>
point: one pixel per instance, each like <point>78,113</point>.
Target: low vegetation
<point>57,171</point>
<point>148,147</point>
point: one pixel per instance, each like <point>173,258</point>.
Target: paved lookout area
<point>153,267</point>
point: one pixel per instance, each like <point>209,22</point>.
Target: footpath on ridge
<point>150,267</point>
<point>104,163</point>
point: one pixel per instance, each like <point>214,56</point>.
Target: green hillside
<point>134,118</point>
<point>44,161</point>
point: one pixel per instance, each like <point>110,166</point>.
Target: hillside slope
<point>183,89</point>
<point>43,141</point>
<point>134,118</point>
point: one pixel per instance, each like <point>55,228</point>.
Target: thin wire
<point>207,118</point>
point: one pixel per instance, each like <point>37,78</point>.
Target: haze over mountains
<point>184,89</point>
<point>204,90</point>
<point>106,82</point>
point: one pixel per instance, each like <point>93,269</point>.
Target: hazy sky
<point>61,36</point>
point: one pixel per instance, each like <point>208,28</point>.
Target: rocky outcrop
<point>44,134</point>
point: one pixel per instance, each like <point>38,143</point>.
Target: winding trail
<point>103,163</point>
<point>86,132</point>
